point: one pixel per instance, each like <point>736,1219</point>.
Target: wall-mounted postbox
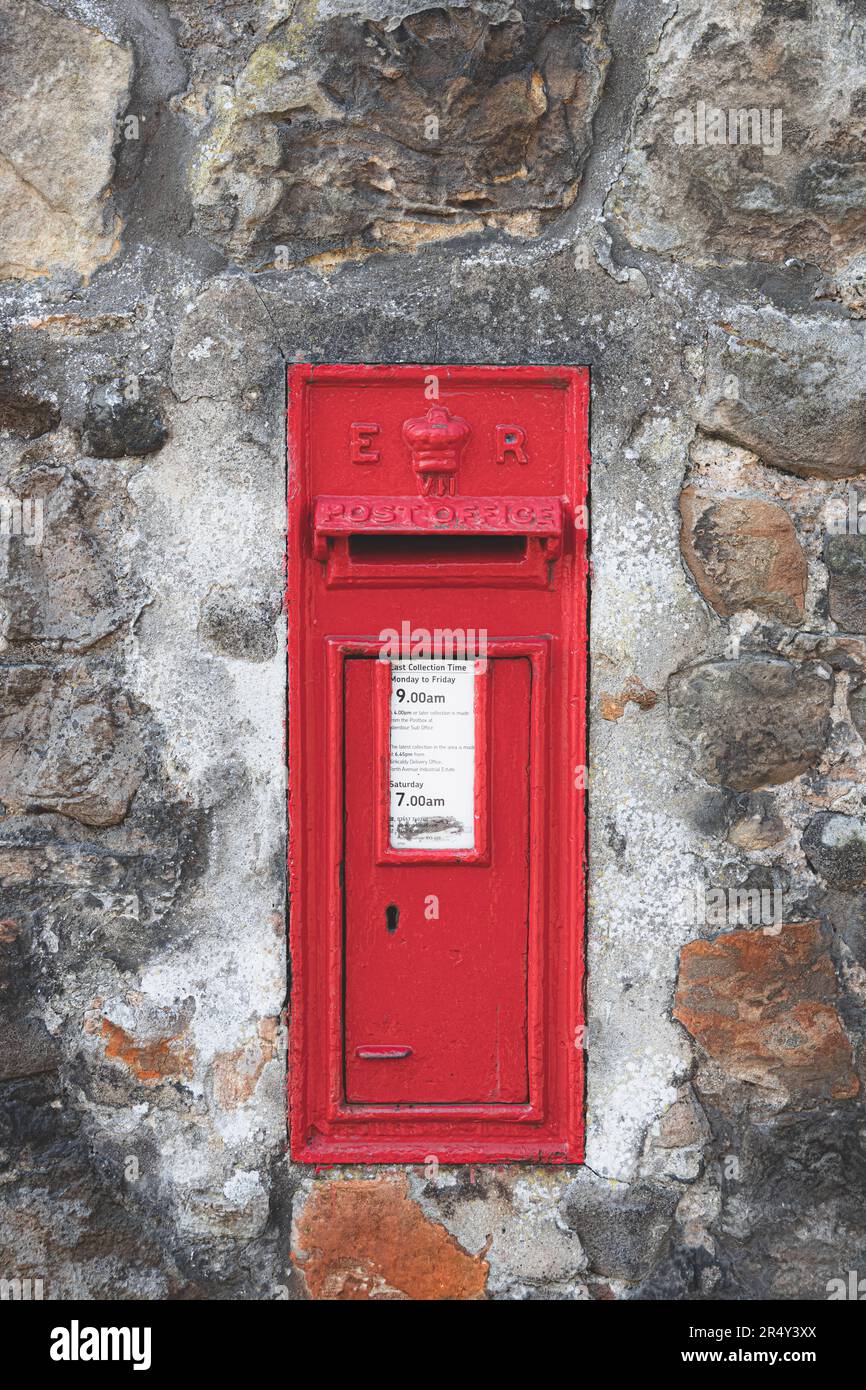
<point>437,606</point>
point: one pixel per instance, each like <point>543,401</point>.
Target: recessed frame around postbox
<point>451,499</point>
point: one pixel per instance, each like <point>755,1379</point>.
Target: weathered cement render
<point>195,195</point>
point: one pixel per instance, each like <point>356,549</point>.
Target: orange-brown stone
<point>9,930</point>
<point>634,692</point>
<point>368,1239</point>
<point>150,1061</point>
<point>763,1007</point>
<point>236,1074</point>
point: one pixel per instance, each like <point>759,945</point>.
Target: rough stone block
<point>845,557</point>
<point>744,553</point>
<point>764,1008</point>
<point>361,1240</point>
<point>353,136</point>
<point>68,743</point>
<point>835,846</point>
<point>752,722</point>
<point>65,86</point>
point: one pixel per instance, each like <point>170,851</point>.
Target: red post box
<point>437,614</point>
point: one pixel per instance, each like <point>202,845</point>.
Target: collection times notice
<point>432,755</point>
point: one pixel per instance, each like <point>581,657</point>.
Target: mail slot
<point>437,619</point>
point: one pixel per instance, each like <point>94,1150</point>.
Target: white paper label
<point>432,755</point>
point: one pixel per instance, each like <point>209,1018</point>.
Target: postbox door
<point>435,952</point>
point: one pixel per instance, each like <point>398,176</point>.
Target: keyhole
<point>392,917</point>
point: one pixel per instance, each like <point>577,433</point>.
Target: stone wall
<point>196,194</point>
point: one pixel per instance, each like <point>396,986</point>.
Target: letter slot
<point>372,541</point>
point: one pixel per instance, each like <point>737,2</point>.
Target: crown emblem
<point>436,442</point>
